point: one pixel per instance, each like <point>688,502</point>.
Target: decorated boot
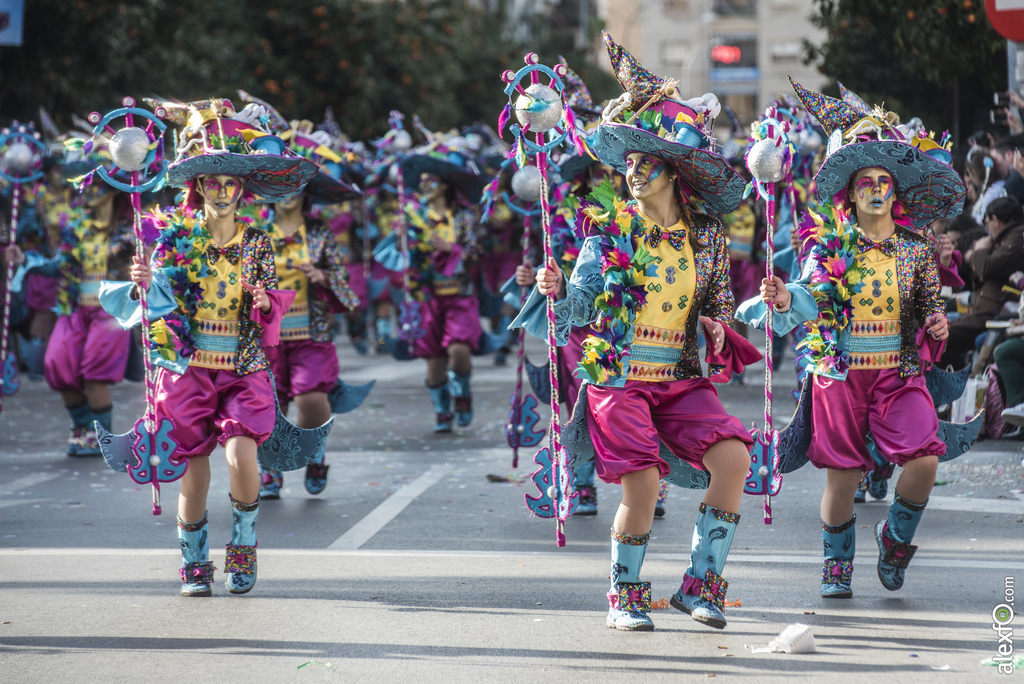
<point>82,440</point>
<point>316,474</point>
<point>861,495</point>
<point>240,554</point>
<point>893,536</point>
<point>839,544</point>
<point>357,332</point>
<point>463,397</point>
<point>32,353</point>
<point>629,599</point>
<point>702,593</point>
<point>878,480</point>
<point>584,483</point>
<point>383,328</point>
<point>196,567</point>
<point>271,482</point>
<point>441,398</point>
<point>659,507</point>
<point>104,416</point>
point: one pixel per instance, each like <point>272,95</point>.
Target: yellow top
<point>95,247</point>
<point>660,328</point>
<point>295,324</point>
<point>217,334</point>
<point>875,331</point>
<point>444,227</point>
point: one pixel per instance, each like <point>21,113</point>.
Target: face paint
<point>867,185</point>
<point>647,167</point>
<point>222,189</point>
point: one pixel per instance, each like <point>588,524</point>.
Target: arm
<point>997,264</point>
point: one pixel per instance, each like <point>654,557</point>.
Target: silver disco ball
<point>765,161</point>
<point>18,158</point>
<point>526,183</point>
<point>129,149</point>
<point>540,107</point>
<point>401,140</point>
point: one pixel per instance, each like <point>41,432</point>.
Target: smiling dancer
<point>870,291</point>
<point>648,274</point>
<point>213,306</point>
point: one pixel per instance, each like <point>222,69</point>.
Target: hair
<point>1008,144</point>
<point>1006,209</point>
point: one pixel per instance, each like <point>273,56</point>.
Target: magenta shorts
<point>448,319</point>
<point>87,345</point>
<point>498,267</point>
<point>357,281</point>
<point>41,292</point>
<point>626,424</point>
<point>900,414</point>
<point>569,358</point>
<point>209,407</point>
<point>302,366</point>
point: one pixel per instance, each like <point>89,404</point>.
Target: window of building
<point>735,7</point>
<point>734,51</point>
<point>787,52</point>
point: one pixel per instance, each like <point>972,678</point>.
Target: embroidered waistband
<point>649,353</point>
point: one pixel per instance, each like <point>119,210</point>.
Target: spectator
<point>1010,362</point>
<point>984,183</point>
<point>992,260</point>
<point>1002,153</point>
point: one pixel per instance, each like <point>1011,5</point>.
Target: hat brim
<point>270,177</point>
<point>926,187</point>
<point>470,185</point>
<point>325,189</point>
<point>710,175</point>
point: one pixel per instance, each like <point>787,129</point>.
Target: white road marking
<point>27,482</point>
<point>20,502</point>
<point>374,522</point>
<point>1014,564</point>
<point>959,503</point>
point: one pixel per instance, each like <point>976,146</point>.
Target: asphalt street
<point>415,565</point>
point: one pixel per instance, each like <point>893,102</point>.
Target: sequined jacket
<point>325,254</point>
<point>712,296</point>
<point>917,278</point>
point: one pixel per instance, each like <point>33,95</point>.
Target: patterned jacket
<point>325,254</point>
<point>917,280</point>
<point>712,295</point>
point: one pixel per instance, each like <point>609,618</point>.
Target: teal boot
<point>441,398</point>
<point>702,593</point>
<point>893,536</point>
<point>196,568</point>
<point>383,328</point>
<point>659,507</point>
<point>32,354</point>
<point>839,544</point>
<point>583,482</point>
<point>271,482</point>
<point>82,439</point>
<point>104,416</point>
<point>861,495</point>
<point>240,555</point>
<point>459,385</point>
<point>629,599</point>
<point>316,474</point>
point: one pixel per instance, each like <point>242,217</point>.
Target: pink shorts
<point>87,345</point>
<point>498,267</point>
<point>303,366</point>
<point>899,413</point>
<point>41,292</point>
<point>626,424</point>
<point>448,319</point>
<point>357,281</point>
<point>209,407</point>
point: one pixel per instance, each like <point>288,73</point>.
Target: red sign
<point>1007,17</point>
<point>726,54</point>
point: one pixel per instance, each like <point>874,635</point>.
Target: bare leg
<point>459,358</point>
<point>98,394</point>
<point>728,462</point>
<point>918,478</point>
<point>42,325</point>
<point>837,501</point>
<point>243,471</point>
<point>437,371</point>
<point>72,398</point>
<point>314,409</point>
<point>639,494</point>
<point>195,485</point>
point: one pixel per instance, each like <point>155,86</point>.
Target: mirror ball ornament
<point>540,108</point>
<point>129,148</point>
<point>402,140</point>
<point>526,184</point>
<point>18,158</point>
<point>765,161</point>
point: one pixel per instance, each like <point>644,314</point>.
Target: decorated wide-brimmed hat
<point>926,185</point>
<point>651,117</point>
<point>328,186</point>
<point>451,164</point>
<point>218,140</point>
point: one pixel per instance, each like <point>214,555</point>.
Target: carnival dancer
<point>214,305</point>
<point>308,262</point>
<point>648,273</point>
<point>88,350</point>
<point>444,243</point>
<point>870,291</point>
